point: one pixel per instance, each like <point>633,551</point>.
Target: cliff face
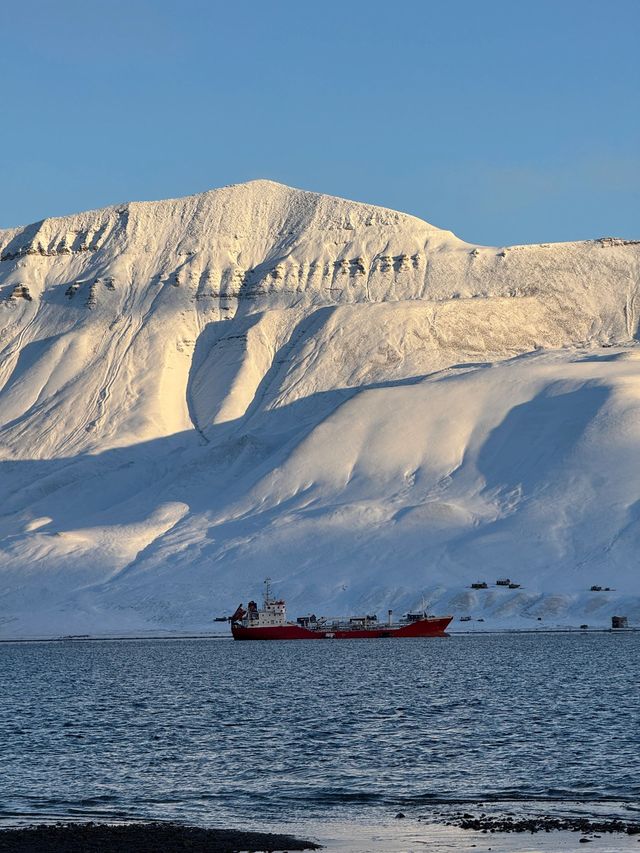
<point>196,393</point>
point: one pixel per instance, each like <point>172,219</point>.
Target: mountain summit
<point>258,380</point>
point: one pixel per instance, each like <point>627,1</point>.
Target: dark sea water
<point>217,732</point>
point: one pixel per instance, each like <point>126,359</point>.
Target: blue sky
<point>505,121</point>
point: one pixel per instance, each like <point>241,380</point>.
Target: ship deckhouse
<point>273,613</point>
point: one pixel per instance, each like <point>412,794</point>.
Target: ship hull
<point>434,627</point>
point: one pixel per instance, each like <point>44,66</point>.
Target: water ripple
<point>211,731</point>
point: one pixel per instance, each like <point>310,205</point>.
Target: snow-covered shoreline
<point>169,636</point>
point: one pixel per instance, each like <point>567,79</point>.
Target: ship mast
<point>267,591</point>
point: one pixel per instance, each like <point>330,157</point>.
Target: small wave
<point>334,797</point>
<point>552,796</point>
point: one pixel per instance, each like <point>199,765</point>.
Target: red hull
<point>434,627</point>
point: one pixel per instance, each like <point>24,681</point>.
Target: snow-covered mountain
<point>255,381</point>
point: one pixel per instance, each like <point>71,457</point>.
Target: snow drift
<point>255,381</point>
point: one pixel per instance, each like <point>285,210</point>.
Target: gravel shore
<point>540,823</point>
<point>142,838</point>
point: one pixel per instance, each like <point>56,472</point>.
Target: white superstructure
<point>274,610</point>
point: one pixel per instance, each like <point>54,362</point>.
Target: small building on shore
<point>619,622</point>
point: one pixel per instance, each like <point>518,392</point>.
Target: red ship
<point>270,623</point>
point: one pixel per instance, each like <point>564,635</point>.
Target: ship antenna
<point>267,591</point>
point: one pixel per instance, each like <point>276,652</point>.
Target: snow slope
<point>258,380</point>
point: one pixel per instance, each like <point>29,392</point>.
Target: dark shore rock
<point>142,838</point>
<point>540,823</point>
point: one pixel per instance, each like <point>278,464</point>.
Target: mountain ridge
<point>169,373</point>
